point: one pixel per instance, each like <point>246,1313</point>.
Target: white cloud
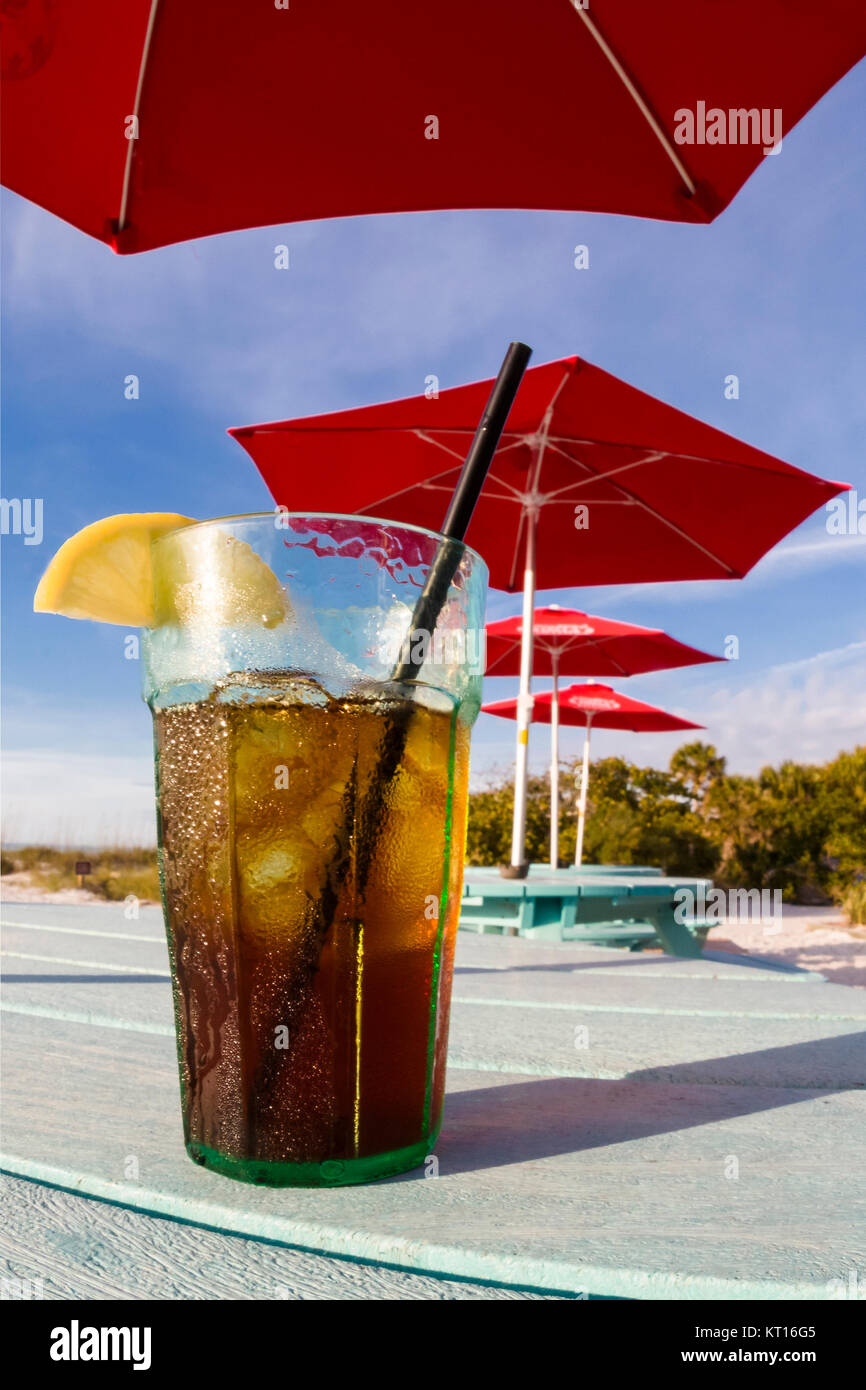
<point>363,296</point>
<point>73,800</point>
<point>807,710</point>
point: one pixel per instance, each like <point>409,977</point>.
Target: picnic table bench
<point>617,1125</point>
<point>626,904</point>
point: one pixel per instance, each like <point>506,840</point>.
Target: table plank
<point>77,1247</point>
<point>88,932</point>
<point>90,918</point>
<point>496,1027</point>
<point>36,986</point>
<point>24,948</point>
<point>811,1053</point>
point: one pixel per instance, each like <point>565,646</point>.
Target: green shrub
<point>116,872</point>
<point>140,882</point>
<point>798,828</point>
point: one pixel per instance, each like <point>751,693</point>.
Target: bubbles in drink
<point>299,878</point>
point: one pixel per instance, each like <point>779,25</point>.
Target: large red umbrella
<point>594,482</point>
<point>572,643</point>
<point>151,121</point>
<point>606,709</point>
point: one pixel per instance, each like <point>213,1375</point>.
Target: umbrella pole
<point>584,787</point>
<point>554,767</point>
<point>524,702</point>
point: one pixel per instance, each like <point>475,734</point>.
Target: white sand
<point>815,938</point>
<point>16,888</point>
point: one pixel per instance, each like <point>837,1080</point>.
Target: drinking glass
<point>312,816</point>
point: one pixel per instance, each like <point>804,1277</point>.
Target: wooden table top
<point>617,1125</point>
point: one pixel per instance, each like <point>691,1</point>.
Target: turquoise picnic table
<point>617,1125</point>
<point>628,905</point>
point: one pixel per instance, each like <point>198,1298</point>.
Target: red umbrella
<point>580,644</point>
<point>594,482</point>
<point>157,120</point>
<point>570,642</point>
<point>587,705</point>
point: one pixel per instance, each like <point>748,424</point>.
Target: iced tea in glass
<point>312,815</point>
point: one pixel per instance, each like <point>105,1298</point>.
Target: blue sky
<point>773,291</point>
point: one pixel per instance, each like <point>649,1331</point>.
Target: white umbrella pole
<point>524,701</point>
<point>554,767</point>
<point>584,787</point>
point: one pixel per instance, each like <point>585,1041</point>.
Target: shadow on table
<point>518,1122</point>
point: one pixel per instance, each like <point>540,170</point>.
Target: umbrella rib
<point>782,471</point>
<point>684,535</point>
<point>540,439</point>
<point>592,642</point>
<point>635,500</point>
<point>570,370</point>
<point>430,439</point>
<point>512,494</point>
<point>432,483</point>
<point>529,511</point>
<point>595,643</point>
<point>615,637</point>
<point>432,486</point>
<point>435,485</point>
<point>639,100</point>
<point>600,477</point>
<point>543,436</point>
<point>127,168</point>
<point>516,494</point>
<point>529,500</point>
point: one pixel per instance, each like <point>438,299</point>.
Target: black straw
<point>450,550</point>
<point>364,812</point>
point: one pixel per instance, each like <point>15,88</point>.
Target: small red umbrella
<point>589,705</point>
<point>152,121</point>
<point>594,482</point>
<point>568,642</point>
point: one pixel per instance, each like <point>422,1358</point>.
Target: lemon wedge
<point>104,571</point>
<point>111,572</point>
